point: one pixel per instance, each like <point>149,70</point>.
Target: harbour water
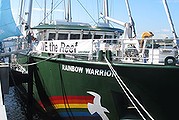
<point>16,107</point>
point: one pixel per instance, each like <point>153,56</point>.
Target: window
<point>62,36</point>
<point>74,36</point>
<point>107,36</point>
<point>116,36</point>
<point>114,41</point>
<point>52,36</point>
<point>98,37</point>
<point>86,36</point>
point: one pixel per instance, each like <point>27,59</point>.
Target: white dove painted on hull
<point>96,106</point>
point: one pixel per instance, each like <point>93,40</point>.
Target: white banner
<point>66,46</point>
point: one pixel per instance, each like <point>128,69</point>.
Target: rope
<point>52,10</point>
<point>35,63</point>
<point>124,88</point>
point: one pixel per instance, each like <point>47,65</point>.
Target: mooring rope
<point>35,63</point>
<point>124,88</point>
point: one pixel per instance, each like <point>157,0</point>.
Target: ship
<point>76,71</point>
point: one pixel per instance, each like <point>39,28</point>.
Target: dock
<point>4,88</point>
<point>2,107</point>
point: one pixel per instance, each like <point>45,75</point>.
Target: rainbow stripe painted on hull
<point>73,106</point>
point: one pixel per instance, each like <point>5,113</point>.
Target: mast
<point>131,21</point>
<point>51,12</point>
<point>106,11</point>
<point>20,15</point>
<point>65,14</point>
<point>170,22</point>
<point>45,10</point>
<point>69,18</point>
<point>29,14</point>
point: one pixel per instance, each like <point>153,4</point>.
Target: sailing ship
<point>10,34</point>
<point>84,72</point>
<point>8,27</point>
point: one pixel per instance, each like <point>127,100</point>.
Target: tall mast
<point>45,10</point>
<point>170,21</point>
<point>29,15</point>
<point>20,15</point>
<point>51,12</point>
<point>69,18</point>
<point>65,14</point>
<point>131,21</point>
<point>106,11</point>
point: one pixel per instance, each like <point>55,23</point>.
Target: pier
<point>2,107</point>
<point>4,88</point>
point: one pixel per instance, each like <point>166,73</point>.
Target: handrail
<point>154,50</point>
<point>123,50</point>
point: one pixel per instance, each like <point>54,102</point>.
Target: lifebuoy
<point>170,60</point>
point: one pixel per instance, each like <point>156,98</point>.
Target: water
<point>16,107</point>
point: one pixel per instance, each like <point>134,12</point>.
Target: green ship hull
<point>78,71</point>
<point>70,87</point>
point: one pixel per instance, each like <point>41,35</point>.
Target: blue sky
<point>149,15</point>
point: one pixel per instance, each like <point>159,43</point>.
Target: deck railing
<point>152,51</point>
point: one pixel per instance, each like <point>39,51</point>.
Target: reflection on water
<point>15,107</point>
